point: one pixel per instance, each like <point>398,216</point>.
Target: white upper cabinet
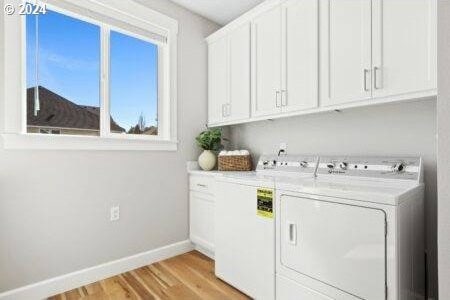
<point>239,74</point>
<point>345,51</point>
<point>374,49</point>
<point>292,57</point>
<point>404,46</point>
<point>285,58</point>
<point>300,52</point>
<point>229,77</point>
<point>266,63</point>
<point>218,80</point>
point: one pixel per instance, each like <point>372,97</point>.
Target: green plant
<point>210,139</point>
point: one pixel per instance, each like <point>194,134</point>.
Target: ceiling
<point>219,11</point>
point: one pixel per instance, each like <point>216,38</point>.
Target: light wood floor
<point>185,277</point>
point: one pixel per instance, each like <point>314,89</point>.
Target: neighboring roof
<point>57,111</point>
<point>152,130</point>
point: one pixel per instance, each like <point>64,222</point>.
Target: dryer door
<point>341,245</point>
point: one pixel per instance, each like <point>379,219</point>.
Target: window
<point>63,78</point>
<point>63,74</point>
<point>90,75</point>
<point>134,85</point>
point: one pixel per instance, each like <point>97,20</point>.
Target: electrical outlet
<point>282,148</point>
<point>114,213</point>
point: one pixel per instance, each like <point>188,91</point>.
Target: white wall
<point>393,129</point>
<point>444,148</point>
<point>54,205</point>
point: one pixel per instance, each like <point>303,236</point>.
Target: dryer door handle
<point>291,233</point>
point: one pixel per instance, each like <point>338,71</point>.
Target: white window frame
<point>132,17</point>
<point>49,130</point>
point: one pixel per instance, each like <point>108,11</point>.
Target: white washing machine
<point>353,232</point>
<point>245,224</point>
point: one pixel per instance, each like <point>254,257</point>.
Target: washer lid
<point>247,178</point>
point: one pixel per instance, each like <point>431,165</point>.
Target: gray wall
<point>444,148</point>
<point>393,129</point>
<point>54,205</point>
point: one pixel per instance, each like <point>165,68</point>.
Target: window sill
<point>67,142</point>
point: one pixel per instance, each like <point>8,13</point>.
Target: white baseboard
<point>60,284</point>
<point>205,251</point>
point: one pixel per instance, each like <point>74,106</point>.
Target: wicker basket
<point>235,163</point>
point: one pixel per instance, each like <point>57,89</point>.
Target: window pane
<point>134,85</point>
<point>63,64</point>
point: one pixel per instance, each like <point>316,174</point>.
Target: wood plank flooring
<point>186,277</point>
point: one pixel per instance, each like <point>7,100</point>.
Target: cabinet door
<point>217,80</point>
<point>266,63</point>
<point>239,75</point>
<point>201,220</point>
<point>345,71</point>
<point>404,46</point>
<point>300,52</point>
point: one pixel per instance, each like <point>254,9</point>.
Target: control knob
<point>331,165</point>
<point>343,165</point>
<point>399,167</point>
<point>304,164</point>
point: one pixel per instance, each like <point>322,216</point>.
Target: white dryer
<point>353,232</point>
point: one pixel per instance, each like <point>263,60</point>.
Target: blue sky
<point>69,65</point>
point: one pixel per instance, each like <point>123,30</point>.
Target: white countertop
<point>194,169</point>
<point>205,173</point>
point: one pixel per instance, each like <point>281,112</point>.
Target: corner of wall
<point>443,175</point>
<point>2,75</point>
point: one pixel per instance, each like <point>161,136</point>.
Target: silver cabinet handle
<point>277,94</point>
<point>223,110</point>
<point>375,71</point>
<point>226,110</point>
<point>283,98</point>
<point>365,80</point>
<point>201,185</point>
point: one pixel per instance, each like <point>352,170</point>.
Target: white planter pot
<point>207,160</point>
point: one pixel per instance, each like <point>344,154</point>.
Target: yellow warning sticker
<point>265,203</point>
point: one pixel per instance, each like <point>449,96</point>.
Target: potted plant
<point>210,141</point>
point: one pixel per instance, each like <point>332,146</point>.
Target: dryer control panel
<point>407,168</point>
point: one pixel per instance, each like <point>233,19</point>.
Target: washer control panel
<point>288,163</point>
<point>408,168</point>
